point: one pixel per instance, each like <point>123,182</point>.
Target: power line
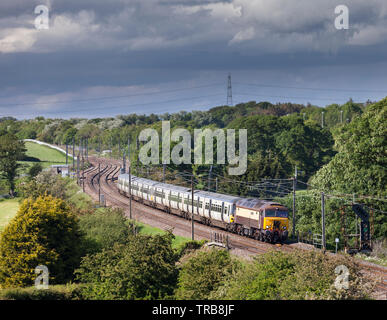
<point>122,106</point>
<point>108,97</point>
<point>286,97</point>
<point>309,88</point>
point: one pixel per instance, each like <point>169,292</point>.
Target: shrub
<point>56,292</point>
<point>203,272</point>
<point>43,232</point>
<point>143,268</point>
<point>259,279</point>
<point>315,275</point>
<point>45,182</point>
<point>297,275</point>
<point>104,228</point>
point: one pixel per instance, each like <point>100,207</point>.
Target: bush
<point>144,268</point>
<point>43,232</point>
<point>258,280</point>
<point>297,275</point>
<point>315,275</point>
<point>104,228</point>
<point>203,272</point>
<point>57,292</point>
<point>45,182</point>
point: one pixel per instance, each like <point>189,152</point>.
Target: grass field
<point>46,155</point>
<point>8,209</point>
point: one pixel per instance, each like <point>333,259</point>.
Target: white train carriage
<point>123,182</point>
<point>217,206</point>
<point>209,206</point>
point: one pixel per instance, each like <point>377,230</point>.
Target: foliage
<point>11,150</point>
<point>43,232</point>
<point>34,170</point>
<point>297,275</point>
<point>104,228</point>
<point>288,141</point>
<point>314,278</point>
<point>360,165</point>
<point>54,292</point>
<point>257,280</point>
<point>332,113</point>
<point>203,272</point>
<point>144,268</point>
<point>45,182</point>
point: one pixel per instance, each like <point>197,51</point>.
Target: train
<point>262,220</point>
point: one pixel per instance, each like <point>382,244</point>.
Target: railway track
<point>161,219</point>
<point>180,226</point>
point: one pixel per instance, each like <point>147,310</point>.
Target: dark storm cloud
<point>151,44</point>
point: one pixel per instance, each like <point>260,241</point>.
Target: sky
<point>105,58</point>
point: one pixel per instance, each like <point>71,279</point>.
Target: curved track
<point>109,169</point>
<point>159,218</point>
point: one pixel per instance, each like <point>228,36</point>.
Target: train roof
<point>218,196</point>
<point>207,194</point>
<point>156,184</point>
<point>255,204</point>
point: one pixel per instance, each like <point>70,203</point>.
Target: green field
<point>46,155</point>
<point>147,229</point>
<point>8,209</point>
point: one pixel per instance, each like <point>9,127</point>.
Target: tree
<point>45,183</point>
<point>43,232</point>
<point>34,170</point>
<point>360,165</point>
<point>11,150</point>
<point>69,135</point>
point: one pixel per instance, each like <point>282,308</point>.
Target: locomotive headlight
<point>284,228</point>
<point>267,227</point>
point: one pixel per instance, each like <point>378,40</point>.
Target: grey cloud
<point>153,43</point>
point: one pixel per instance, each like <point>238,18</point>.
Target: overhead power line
<point>286,97</point>
<point>309,88</point>
<point>122,106</point>
<point>108,97</point>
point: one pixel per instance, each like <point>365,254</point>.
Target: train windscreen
<point>276,213</point>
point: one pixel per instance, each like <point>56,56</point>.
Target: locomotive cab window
<point>276,213</point>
